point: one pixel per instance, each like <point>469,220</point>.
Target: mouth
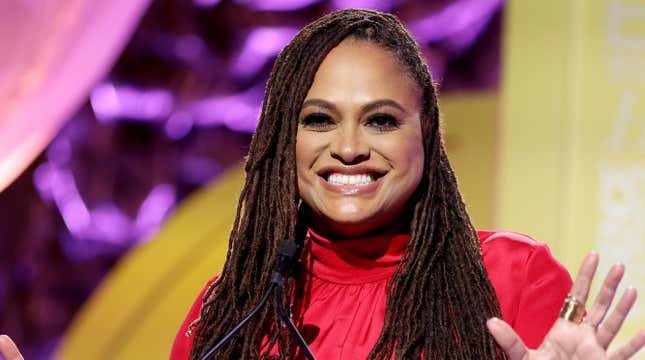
<point>352,181</point>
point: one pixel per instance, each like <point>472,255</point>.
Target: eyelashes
<point>381,122</point>
<point>317,121</point>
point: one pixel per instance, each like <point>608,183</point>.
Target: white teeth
<point>341,179</point>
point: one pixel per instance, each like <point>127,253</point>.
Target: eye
<point>317,121</point>
<point>383,122</point>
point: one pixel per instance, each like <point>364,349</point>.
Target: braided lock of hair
<point>438,299</point>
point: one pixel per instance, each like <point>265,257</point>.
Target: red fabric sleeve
<point>182,344</point>
<point>546,284</point>
<point>530,284</point>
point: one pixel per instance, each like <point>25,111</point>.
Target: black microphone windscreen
<point>287,248</point>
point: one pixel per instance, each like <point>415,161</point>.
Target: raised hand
<point>8,349</point>
<point>570,338</point>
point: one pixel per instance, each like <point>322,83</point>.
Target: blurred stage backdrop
<point>123,126</point>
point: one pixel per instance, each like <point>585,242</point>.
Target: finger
<point>608,330</point>
<point>580,288</point>
<point>8,349</point>
<point>507,339</point>
<point>605,295</point>
<point>631,348</point>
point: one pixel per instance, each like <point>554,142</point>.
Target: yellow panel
<point>531,154</point>
<point>572,151</point>
<point>470,133</point>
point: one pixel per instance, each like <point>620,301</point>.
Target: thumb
<point>8,349</point>
<point>507,339</point>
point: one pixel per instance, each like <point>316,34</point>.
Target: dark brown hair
<point>438,299</point>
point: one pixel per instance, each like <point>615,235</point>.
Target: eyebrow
<point>365,108</point>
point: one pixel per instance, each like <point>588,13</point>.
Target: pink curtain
<point>52,52</point>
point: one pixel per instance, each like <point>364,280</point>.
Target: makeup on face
<point>359,148</point>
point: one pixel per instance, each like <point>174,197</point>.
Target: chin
<point>351,215</point>
<point>351,219</point>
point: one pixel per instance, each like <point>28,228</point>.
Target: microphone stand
<point>215,349</point>
<point>286,320</point>
<point>286,252</point>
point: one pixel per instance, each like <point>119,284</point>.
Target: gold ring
<point>572,310</point>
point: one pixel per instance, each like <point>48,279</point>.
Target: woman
<point>349,146</point>
<point>349,149</point>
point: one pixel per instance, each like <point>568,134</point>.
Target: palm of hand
<point>588,340</point>
<point>567,340</point>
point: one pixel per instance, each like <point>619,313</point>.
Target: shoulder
<point>514,250</point>
<point>507,240</point>
<point>515,255</point>
<point>528,281</point>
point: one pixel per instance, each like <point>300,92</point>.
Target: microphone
<point>285,258</point>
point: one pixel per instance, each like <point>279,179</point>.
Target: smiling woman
<point>403,240</point>
<point>359,148</point>
<point>349,161</point>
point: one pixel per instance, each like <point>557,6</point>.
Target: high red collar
<point>354,261</point>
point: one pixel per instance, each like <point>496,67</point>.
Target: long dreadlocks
<point>438,299</point>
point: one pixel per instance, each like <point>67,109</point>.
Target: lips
<point>374,172</point>
<point>351,180</point>
<point>342,179</point>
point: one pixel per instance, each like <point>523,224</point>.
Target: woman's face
<point>359,150</point>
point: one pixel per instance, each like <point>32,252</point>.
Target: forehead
<point>359,71</point>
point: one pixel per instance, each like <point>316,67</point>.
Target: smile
<point>358,179</point>
<point>352,182</point>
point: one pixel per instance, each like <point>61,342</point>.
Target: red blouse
<point>346,303</point>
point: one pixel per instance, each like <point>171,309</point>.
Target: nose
<point>349,145</point>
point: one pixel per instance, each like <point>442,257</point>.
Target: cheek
<point>416,153</point>
<point>409,157</point>
<point>410,160</point>
<point>302,155</point>
<point>417,160</point>
<point>306,155</point>
<point>299,149</point>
